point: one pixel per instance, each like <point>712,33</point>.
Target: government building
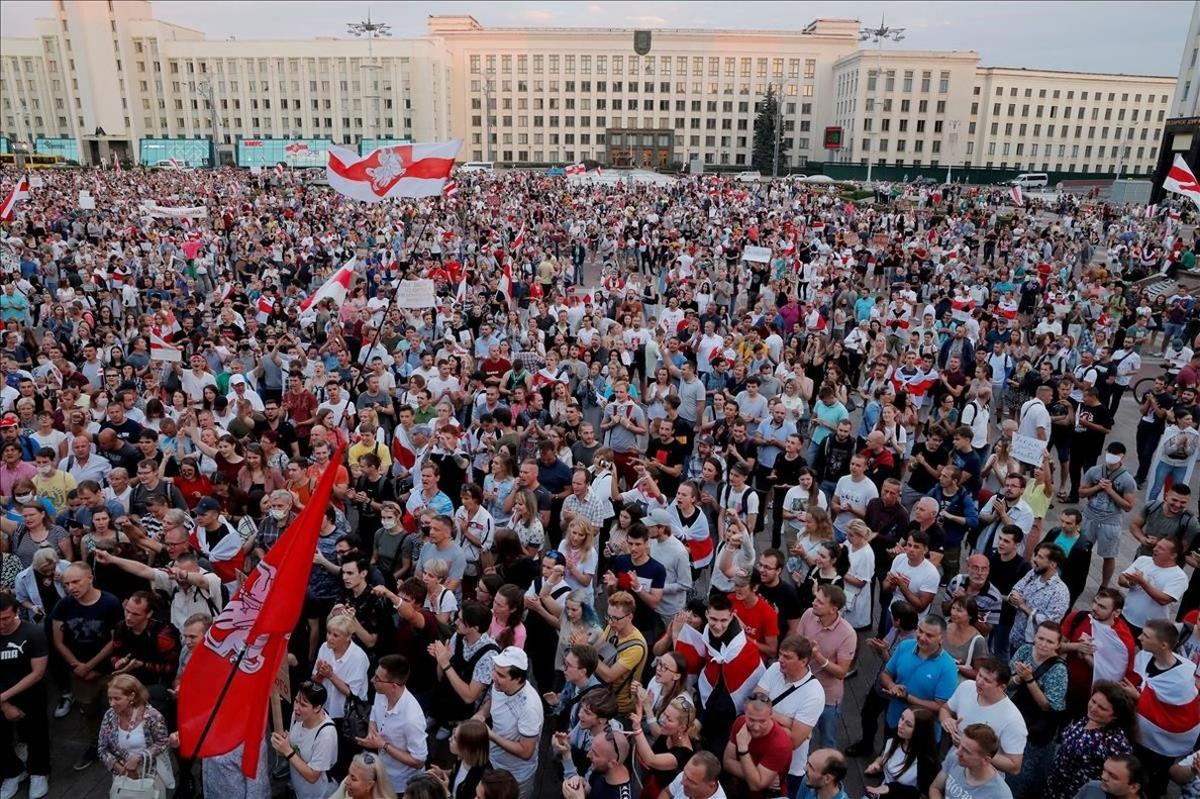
<point>105,79</point>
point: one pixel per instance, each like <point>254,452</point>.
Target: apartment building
<point>103,77</point>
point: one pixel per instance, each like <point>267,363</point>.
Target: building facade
<point>102,78</point>
<point>1180,135</point>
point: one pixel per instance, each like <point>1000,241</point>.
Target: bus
<point>33,160</point>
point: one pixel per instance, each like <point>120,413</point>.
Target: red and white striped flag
<point>19,192</point>
<point>279,169</point>
<point>117,165</point>
<point>407,170</point>
<point>519,241</point>
<point>1181,180</point>
<point>160,350</point>
<point>506,280</point>
<point>450,190</point>
<point>335,288</point>
<point>1168,707</point>
<point>1017,197</point>
<point>736,666</point>
<point>1150,211</point>
<point>460,295</point>
<point>575,169</point>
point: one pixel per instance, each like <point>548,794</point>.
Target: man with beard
<point>732,667</point>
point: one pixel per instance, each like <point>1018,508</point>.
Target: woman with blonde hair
<point>524,520</point>
<point>438,598</point>
<point>664,759</point>
<point>582,558</point>
<point>134,741</point>
<point>472,754</point>
<point>366,779</point>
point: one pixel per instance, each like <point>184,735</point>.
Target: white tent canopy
<point>611,177</point>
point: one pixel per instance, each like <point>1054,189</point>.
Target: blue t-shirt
<point>87,629</point>
<point>925,678</point>
<point>832,414</point>
<point>648,576</point>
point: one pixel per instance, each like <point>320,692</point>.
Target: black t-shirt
<point>88,628</point>
<point>786,600</point>
<point>646,577</point>
<point>670,453</point>
<point>1086,439</point>
<point>600,789</point>
<point>1061,407</point>
<point>920,480</point>
<point>787,473</point>
<point>375,616</point>
<point>127,431</point>
<point>17,653</point>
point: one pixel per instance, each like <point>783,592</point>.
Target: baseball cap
<point>207,504</point>
<point>235,380</point>
<point>8,420</point>
<point>512,658</point>
<point>658,516</point>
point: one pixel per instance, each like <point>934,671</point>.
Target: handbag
<point>356,719</point>
<point>144,786</point>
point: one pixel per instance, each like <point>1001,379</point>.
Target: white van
<point>748,177</point>
<point>1031,180</point>
<point>477,166</point>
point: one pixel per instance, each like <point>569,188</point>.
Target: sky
<point>1143,38</point>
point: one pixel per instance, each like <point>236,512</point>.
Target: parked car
<point>748,177</point>
<point>478,166</point>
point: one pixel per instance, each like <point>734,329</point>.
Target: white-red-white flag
<point>1181,180</point>
<point>460,296</point>
<point>19,192</point>
<point>506,280</point>
<point>519,241</point>
<point>450,190</point>
<point>279,169</point>
<point>335,288</point>
<point>161,350</point>
<point>575,169</point>
<point>1151,211</point>
<point>117,165</point>
<point>1017,197</point>
<point>406,170</point>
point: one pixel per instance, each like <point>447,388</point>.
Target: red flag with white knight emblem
<point>224,690</point>
<point>407,170</point>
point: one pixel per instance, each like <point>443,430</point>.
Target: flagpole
<point>392,301</point>
<point>217,704</point>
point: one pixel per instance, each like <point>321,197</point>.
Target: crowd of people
<point>632,511</point>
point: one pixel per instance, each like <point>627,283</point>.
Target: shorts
<point>1105,536</point>
<point>1062,446</point>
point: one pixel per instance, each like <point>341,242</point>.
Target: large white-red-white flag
<point>575,169</point>
<point>19,192</point>
<point>1181,180</point>
<point>1017,197</point>
<point>406,170</point>
<point>161,350</point>
<point>335,288</point>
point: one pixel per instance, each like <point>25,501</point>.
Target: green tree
<point>763,155</point>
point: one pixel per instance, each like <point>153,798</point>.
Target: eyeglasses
<point>611,617</point>
<point>660,665</point>
<point>377,678</point>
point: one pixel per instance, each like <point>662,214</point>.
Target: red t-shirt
<point>773,750</point>
<point>760,621</point>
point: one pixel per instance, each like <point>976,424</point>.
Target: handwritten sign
<point>86,201</point>
<point>1028,449</point>
<point>759,255</point>
<point>415,294</point>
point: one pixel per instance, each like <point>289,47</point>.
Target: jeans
<point>35,732</point>
<point>1177,473</point>
<point>825,734</point>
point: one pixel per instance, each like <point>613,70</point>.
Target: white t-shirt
<point>858,600</point>
<point>1139,606</point>
<point>922,578</point>
<point>351,669</point>
<point>318,748</point>
<point>1003,717</point>
<point>853,493</point>
<point>513,718</point>
<point>1034,415</point>
<point>804,705</point>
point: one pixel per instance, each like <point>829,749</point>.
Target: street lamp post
<point>487,116</point>
<point>371,31</point>
<point>205,90</point>
<point>953,149</point>
<point>877,36</point>
<point>778,132</point>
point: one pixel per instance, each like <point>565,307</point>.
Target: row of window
<point>1070,95</point>
<point>906,84</point>
<point>555,121</point>
<point>637,65</point>
<point>618,104</point>
<point>1040,111</point>
<point>885,105</point>
<point>647,87</point>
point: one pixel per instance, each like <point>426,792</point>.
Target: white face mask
<point>278,514</point>
<point>387,522</point>
<point>1111,459</point>
<point>45,471</point>
<point>25,498</point>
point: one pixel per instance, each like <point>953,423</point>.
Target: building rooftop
<point>453,23</point>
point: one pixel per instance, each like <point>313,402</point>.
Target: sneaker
<point>85,760</point>
<point>64,706</point>
<point>39,786</point>
<point>11,785</point>
<point>443,734</point>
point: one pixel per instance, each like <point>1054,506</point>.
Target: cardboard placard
<point>416,294</point>
<point>1028,449</point>
<point>759,255</point>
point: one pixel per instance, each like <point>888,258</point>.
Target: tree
<point>763,155</point>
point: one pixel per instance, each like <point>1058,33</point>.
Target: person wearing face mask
<point>1108,491</point>
<point>280,513</point>
<point>51,482</point>
<point>395,548</point>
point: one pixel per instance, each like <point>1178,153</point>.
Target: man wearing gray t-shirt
<point>967,772</point>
